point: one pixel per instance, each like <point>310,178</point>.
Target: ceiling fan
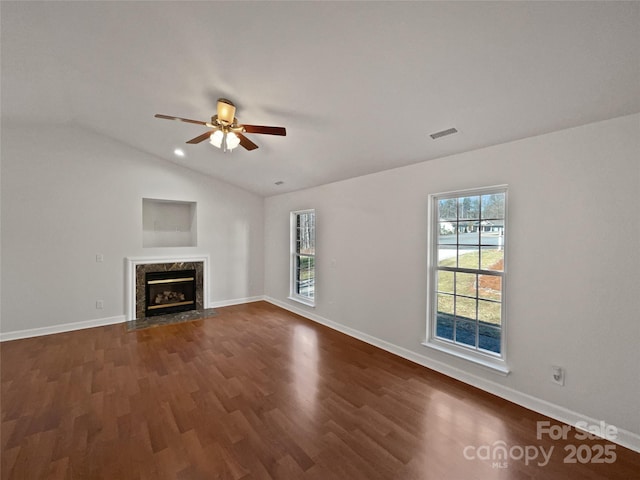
<point>226,133</point>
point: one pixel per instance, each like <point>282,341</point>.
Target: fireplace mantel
<point>133,262</point>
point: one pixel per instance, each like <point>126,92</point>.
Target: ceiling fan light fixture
<point>216,138</point>
<point>226,110</point>
<point>224,140</point>
<point>226,133</point>
<point>232,141</point>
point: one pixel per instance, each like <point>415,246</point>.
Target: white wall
<point>69,194</point>
<point>573,294</point>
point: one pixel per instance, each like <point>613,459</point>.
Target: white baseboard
<point>236,301</point>
<point>99,322</point>
<point>65,327</point>
<point>624,438</point>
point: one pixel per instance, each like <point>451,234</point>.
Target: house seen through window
<point>467,274</point>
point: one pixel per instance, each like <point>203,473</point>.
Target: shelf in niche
<point>168,223</point>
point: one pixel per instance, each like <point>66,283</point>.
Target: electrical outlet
<point>557,375</point>
<point>99,304</point>
<point>99,257</point>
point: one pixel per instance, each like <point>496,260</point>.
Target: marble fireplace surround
<point>136,267</point>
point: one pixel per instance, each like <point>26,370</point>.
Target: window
<point>303,256</point>
<point>466,315</point>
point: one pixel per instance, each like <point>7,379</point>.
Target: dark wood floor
<point>257,393</point>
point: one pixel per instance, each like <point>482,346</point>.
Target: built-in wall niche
<point>168,223</point>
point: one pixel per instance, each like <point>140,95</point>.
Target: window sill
<point>304,301</point>
<point>496,366</point>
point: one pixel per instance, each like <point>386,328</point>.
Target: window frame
<point>493,361</point>
<point>295,255</point>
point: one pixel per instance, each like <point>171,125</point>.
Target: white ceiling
<point>359,86</point>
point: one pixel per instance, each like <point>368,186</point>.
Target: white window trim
<point>301,299</point>
<point>292,260</point>
<point>495,363</point>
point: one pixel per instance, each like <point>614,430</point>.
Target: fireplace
<point>136,279</point>
<point>170,292</point>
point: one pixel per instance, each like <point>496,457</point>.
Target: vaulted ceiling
<point>359,86</point>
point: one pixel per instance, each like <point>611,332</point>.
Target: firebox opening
<point>170,292</point>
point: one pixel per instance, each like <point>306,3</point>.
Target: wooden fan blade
<point>169,117</point>
<point>246,143</point>
<point>267,130</point>
<point>201,138</point>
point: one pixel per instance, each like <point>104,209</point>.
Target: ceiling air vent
<point>443,133</point>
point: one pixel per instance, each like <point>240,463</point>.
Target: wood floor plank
<point>256,393</point>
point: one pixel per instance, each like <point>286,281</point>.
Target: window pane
<point>489,312</point>
<point>468,233</point>
<point>489,338</point>
<point>448,230</point>
<point>468,257</point>
<point>306,262</point>
<point>465,332</point>
<point>466,284</point>
<point>447,238</point>
<point>297,270</point>
<point>493,205</point>
<point>492,259</point>
<point>305,289</point>
<point>445,281</point>
<point>305,276</point>
<point>447,256</point>
<point>492,233</point>
<point>305,239</point>
<point>444,326</point>
<point>490,287</point>
<point>465,308</point>
<point>445,304</point>
<point>447,209</point>
<point>306,268</point>
<point>469,208</point>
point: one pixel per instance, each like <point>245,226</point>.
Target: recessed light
<point>178,152</point>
